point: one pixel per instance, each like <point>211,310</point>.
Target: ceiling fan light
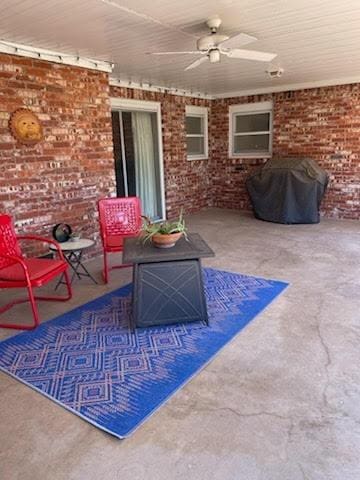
<point>214,56</point>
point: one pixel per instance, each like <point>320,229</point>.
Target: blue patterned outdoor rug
<point>89,362</point>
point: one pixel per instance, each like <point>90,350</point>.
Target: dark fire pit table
<point>168,284</point>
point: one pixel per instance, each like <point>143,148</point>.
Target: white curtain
<point>145,162</point>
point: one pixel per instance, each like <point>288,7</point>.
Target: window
<point>250,130</point>
<point>196,124</point>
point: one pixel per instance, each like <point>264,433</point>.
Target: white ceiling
<point>316,40</point>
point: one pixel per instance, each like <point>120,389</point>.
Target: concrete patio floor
<point>281,402</point>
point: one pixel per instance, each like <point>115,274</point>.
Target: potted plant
<point>164,234</point>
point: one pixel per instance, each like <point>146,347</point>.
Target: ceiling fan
<point>214,45</point>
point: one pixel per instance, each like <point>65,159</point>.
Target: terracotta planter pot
<point>166,241</point>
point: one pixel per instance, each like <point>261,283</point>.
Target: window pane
<point>252,123</point>
<point>194,125</point>
<point>251,143</point>
<point>195,145</point>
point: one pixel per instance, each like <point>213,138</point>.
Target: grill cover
<point>288,190</point>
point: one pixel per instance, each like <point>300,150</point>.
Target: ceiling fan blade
<point>195,52</point>
<point>238,40</point>
<point>249,54</point>
<point>197,62</point>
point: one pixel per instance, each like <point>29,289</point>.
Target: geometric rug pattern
<point>89,361</point>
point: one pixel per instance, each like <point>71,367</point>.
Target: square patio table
<point>167,283</point>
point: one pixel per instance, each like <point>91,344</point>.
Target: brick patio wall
<point>60,178</point>
<point>321,123</point>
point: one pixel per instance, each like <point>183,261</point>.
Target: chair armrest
<point>17,260</point>
<point>43,239</point>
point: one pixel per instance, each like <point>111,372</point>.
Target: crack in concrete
<point>328,363</point>
<point>327,354</point>
<point>305,477</point>
<point>289,432</point>
<point>289,419</point>
<point>202,408</point>
<point>254,414</point>
<point>290,427</point>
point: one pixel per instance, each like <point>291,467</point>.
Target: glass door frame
<point>125,104</point>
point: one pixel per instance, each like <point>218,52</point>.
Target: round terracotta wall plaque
<point>25,126</point>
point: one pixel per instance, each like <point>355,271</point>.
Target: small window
<point>250,130</point>
<point>196,124</point>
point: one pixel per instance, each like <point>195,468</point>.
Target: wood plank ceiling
<point>316,40</point>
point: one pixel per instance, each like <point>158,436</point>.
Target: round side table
<point>73,251</point>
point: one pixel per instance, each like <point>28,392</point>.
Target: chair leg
<point>32,299</point>
<point>17,326</point>
<point>57,298</point>
<point>33,308</point>
<point>105,270</point>
<point>68,284</point>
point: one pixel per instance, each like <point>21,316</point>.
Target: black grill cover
<point>288,190</point>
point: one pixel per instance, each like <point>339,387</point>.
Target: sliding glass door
<point>138,155</point>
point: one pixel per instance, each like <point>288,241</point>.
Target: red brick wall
<point>187,184</point>
<point>321,123</point>
<point>60,178</point>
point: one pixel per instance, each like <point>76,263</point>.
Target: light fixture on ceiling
<point>214,56</point>
<point>213,45</point>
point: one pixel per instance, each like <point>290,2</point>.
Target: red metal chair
<point>119,218</point>
<point>16,271</point>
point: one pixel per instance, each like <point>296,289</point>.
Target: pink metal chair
<point>119,218</point>
<point>16,271</point>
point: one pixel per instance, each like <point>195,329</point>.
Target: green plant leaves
<point>165,228</point>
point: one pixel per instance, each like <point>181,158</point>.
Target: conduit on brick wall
<point>61,178</point>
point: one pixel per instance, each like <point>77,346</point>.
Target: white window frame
<point>125,104</point>
<point>192,111</point>
<point>248,109</point>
